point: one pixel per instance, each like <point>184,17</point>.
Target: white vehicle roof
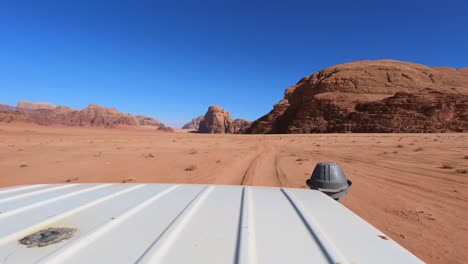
<point>164,223</point>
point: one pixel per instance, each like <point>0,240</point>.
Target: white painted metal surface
<point>157,223</point>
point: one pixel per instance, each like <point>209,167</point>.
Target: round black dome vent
<point>329,178</point>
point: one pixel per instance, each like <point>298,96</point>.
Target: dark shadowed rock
<point>372,96</point>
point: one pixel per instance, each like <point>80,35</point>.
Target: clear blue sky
<point>172,59</point>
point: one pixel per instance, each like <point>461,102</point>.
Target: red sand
<point>399,183</point>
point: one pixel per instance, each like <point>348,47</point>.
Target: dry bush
<point>463,171</point>
<point>418,149</point>
<point>149,155</point>
<point>72,179</point>
<point>466,157</point>
<point>23,165</point>
<point>446,166</point>
<point>218,161</point>
<point>399,146</point>
<point>191,167</point>
<point>128,180</point>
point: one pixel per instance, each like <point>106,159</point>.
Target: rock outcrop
<point>26,105</point>
<point>93,115</point>
<point>372,96</point>
<point>219,121</point>
<point>194,123</point>
<point>240,125</point>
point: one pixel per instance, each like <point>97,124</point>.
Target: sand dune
<point>414,187</point>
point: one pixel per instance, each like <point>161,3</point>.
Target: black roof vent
<point>329,178</point>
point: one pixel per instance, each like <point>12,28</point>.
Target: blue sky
<point>173,59</point>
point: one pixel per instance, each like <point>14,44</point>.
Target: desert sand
<point>413,187</point>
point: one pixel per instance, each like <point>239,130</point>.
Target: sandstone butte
<point>219,121</point>
<point>372,97</point>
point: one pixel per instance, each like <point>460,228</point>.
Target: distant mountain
<point>219,121</point>
<point>372,96</point>
<point>194,123</point>
<point>93,115</point>
<point>26,105</point>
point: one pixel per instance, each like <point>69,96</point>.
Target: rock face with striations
<point>372,96</point>
<point>194,123</point>
<point>93,115</point>
<point>219,121</point>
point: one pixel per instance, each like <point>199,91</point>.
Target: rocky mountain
<point>219,121</point>
<point>372,96</point>
<point>93,115</point>
<point>26,105</point>
<point>194,123</point>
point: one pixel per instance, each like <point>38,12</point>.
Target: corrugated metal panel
<point>158,223</point>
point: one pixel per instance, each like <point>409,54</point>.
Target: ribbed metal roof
<point>158,223</point>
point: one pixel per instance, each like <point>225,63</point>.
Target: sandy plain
<point>413,187</point>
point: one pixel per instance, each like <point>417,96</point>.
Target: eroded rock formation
<point>372,96</point>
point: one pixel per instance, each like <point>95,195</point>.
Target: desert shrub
<point>446,166</point>
<point>191,167</point>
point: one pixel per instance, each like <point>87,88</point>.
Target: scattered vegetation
<point>446,166</point>
<point>191,167</point>
<point>463,171</point>
<point>418,149</point>
<point>399,146</point>
<point>72,179</point>
<point>129,180</point>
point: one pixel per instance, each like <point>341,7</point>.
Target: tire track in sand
<point>263,170</point>
<point>258,168</point>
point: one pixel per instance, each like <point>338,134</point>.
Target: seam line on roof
<point>51,189</point>
<point>17,234</point>
<point>240,227</point>
<point>157,250</point>
<point>328,249</point>
<point>50,200</point>
<point>61,254</point>
<point>21,188</point>
<point>245,244</point>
